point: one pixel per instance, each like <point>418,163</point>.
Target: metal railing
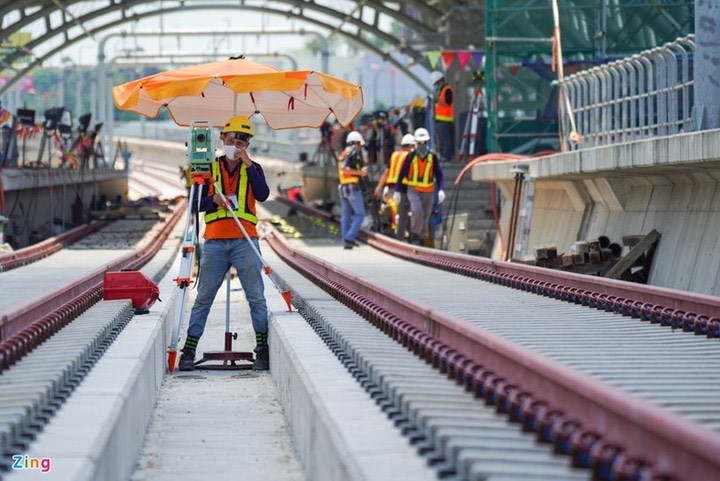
<point>645,95</point>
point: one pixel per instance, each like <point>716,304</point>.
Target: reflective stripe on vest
<point>443,111</point>
<point>392,208</point>
<point>344,177</point>
<point>243,211</point>
<point>396,161</point>
<point>423,179</point>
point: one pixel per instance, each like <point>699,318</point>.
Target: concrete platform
<point>669,184</point>
<point>220,425</point>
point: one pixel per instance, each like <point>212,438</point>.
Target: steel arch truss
<point>363,22</point>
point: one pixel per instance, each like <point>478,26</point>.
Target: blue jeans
<point>217,257</point>
<point>353,211</point>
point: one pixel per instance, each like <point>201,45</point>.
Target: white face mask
<point>230,151</point>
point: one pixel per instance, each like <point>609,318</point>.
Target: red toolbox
<point>133,285</point>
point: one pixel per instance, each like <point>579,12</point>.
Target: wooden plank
<point>626,262</point>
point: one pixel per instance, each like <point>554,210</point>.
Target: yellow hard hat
<point>238,124</point>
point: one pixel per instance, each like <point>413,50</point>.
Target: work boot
<point>262,359</point>
<point>353,243</point>
<point>187,359</point>
<point>348,245</point>
<point>414,239</point>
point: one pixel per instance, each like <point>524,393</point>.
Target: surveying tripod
<point>201,156</point>
<point>470,132</point>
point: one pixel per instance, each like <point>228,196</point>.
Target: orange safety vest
<point>219,223</point>
<point>421,173</point>
<point>396,161</point>
<point>246,201</point>
<point>443,111</point>
<point>344,177</point>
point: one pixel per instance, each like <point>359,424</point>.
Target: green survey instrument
<point>200,148</point>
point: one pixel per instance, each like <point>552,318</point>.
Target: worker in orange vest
<point>390,177</point>
<point>444,116</point>
<point>243,182</point>
<point>351,167</point>
<point>422,175</point>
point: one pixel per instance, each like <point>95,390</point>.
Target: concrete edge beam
<point>657,155</point>
<point>338,430</point>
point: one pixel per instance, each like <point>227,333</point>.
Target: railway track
<point>155,179</point>
<point>591,371</point>
<point>44,361</point>
<point>42,297</point>
<point>490,380</point>
<point>53,328</point>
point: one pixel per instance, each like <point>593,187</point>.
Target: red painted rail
<point>42,249</point>
<point>23,328</point>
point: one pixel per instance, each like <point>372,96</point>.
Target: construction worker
<point>444,116</point>
<point>351,167</point>
<point>242,181</point>
<point>422,175</point>
<point>390,177</point>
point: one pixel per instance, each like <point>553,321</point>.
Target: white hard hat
<point>435,76</point>
<point>355,136</point>
<point>408,139</point>
<point>422,135</point>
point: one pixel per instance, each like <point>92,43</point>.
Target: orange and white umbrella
<point>217,91</point>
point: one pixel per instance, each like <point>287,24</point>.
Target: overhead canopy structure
<point>407,27</point>
<point>514,34</point>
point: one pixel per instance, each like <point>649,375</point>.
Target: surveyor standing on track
<point>242,181</point>
<point>421,174</point>
<point>351,168</point>
<point>390,177</point>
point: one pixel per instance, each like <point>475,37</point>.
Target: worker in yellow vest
<point>390,177</point>
<point>351,167</point>
<point>444,116</point>
<point>242,181</point>
<point>422,175</point>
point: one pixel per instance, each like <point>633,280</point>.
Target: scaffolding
<point>522,101</point>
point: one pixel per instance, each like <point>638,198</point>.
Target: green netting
<point>522,105</point>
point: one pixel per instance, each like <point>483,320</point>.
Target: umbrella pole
<point>268,270</point>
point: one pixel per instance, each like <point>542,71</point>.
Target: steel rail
<point>25,327</point>
<point>691,312</point>
<point>35,252</point>
<point>597,421</point>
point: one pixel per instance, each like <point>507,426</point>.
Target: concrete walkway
<point>219,425</point>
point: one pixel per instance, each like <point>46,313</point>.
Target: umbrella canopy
<point>217,91</point>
